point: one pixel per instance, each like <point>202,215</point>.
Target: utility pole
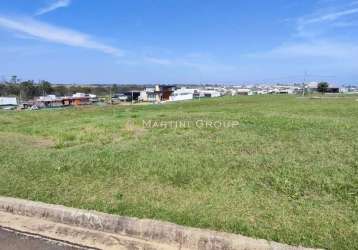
<point>132,97</point>
<point>110,94</point>
<point>14,81</point>
<point>43,89</point>
<point>304,83</point>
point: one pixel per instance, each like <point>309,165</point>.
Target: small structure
<point>8,102</point>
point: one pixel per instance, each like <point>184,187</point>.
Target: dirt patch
<point>20,140</point>
<point>134,130</point>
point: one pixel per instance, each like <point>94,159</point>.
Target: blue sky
<point>179,41</point>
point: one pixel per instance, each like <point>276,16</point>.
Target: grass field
<point>288,172</point>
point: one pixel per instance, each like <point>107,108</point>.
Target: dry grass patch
<point>9,139</point>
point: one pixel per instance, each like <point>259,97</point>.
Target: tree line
<point>28,90</point>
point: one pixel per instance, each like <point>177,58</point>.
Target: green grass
<point>288,172</point>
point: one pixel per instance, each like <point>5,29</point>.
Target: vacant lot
<point>288,172</point>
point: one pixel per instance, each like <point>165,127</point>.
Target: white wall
<point>181,97</point>
<point>4,101</point>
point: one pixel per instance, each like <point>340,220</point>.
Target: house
<point>52,101</point>
<point>150,95</point>
<point>313,88</point>
<point>208,93</point>
<point>157,94</point>
<point>120,97</point>
<point>243,91</point>
<point>76,101</point>
<point>182,94</point>
<point>129,96</point>
<point>165,91</point>
<point>261,92</point>
<point>8,102</point>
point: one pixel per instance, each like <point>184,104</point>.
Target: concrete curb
<point>175,236</point>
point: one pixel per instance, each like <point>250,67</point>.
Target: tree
<point>60,90</point>
<point>46,88</point>
<point>27,90</point>
<point>114,89</point>
<point>322,87</point>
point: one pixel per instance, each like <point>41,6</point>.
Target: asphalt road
<point>14,240</point>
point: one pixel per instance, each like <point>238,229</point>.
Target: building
<point>208,93</point>
<point>128,96</point>
<point>245,91</point>
<point>165,91</point>
<point>313,88</point>
<point>150,95</point>
<point>120,97</point>
<point>160,93</point>
<point>8,102</point>
<point>183,94</point>
<point>52,101</point>
<point>92,98</point>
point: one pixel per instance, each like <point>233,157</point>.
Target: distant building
<point>182,94</point>
<point>244,91</point>
<point>209,93</point>
<point>120,97</point>
<point>52,101</point>
<point>313,88</point>
<point>165,91</point>
<point>8,102</point>
<point>157,94</point>
<point>150,95</point>
<point>128,96</point>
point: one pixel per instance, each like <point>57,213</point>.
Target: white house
<point>150,95</point>
<point>182,94</point>
<point>209,93</point>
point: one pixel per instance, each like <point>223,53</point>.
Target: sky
<point>179,41</point>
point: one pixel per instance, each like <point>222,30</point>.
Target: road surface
<point>15,240</point>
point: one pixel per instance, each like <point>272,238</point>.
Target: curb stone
<point>175,236</point>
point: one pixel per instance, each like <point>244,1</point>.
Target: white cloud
<point>322,21</point>
<point>197,62</point>
<point>328,17</point>
<point>53,6</point>
<point>47,32</point>
<point>316,43</point>
<point>322,50</point>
